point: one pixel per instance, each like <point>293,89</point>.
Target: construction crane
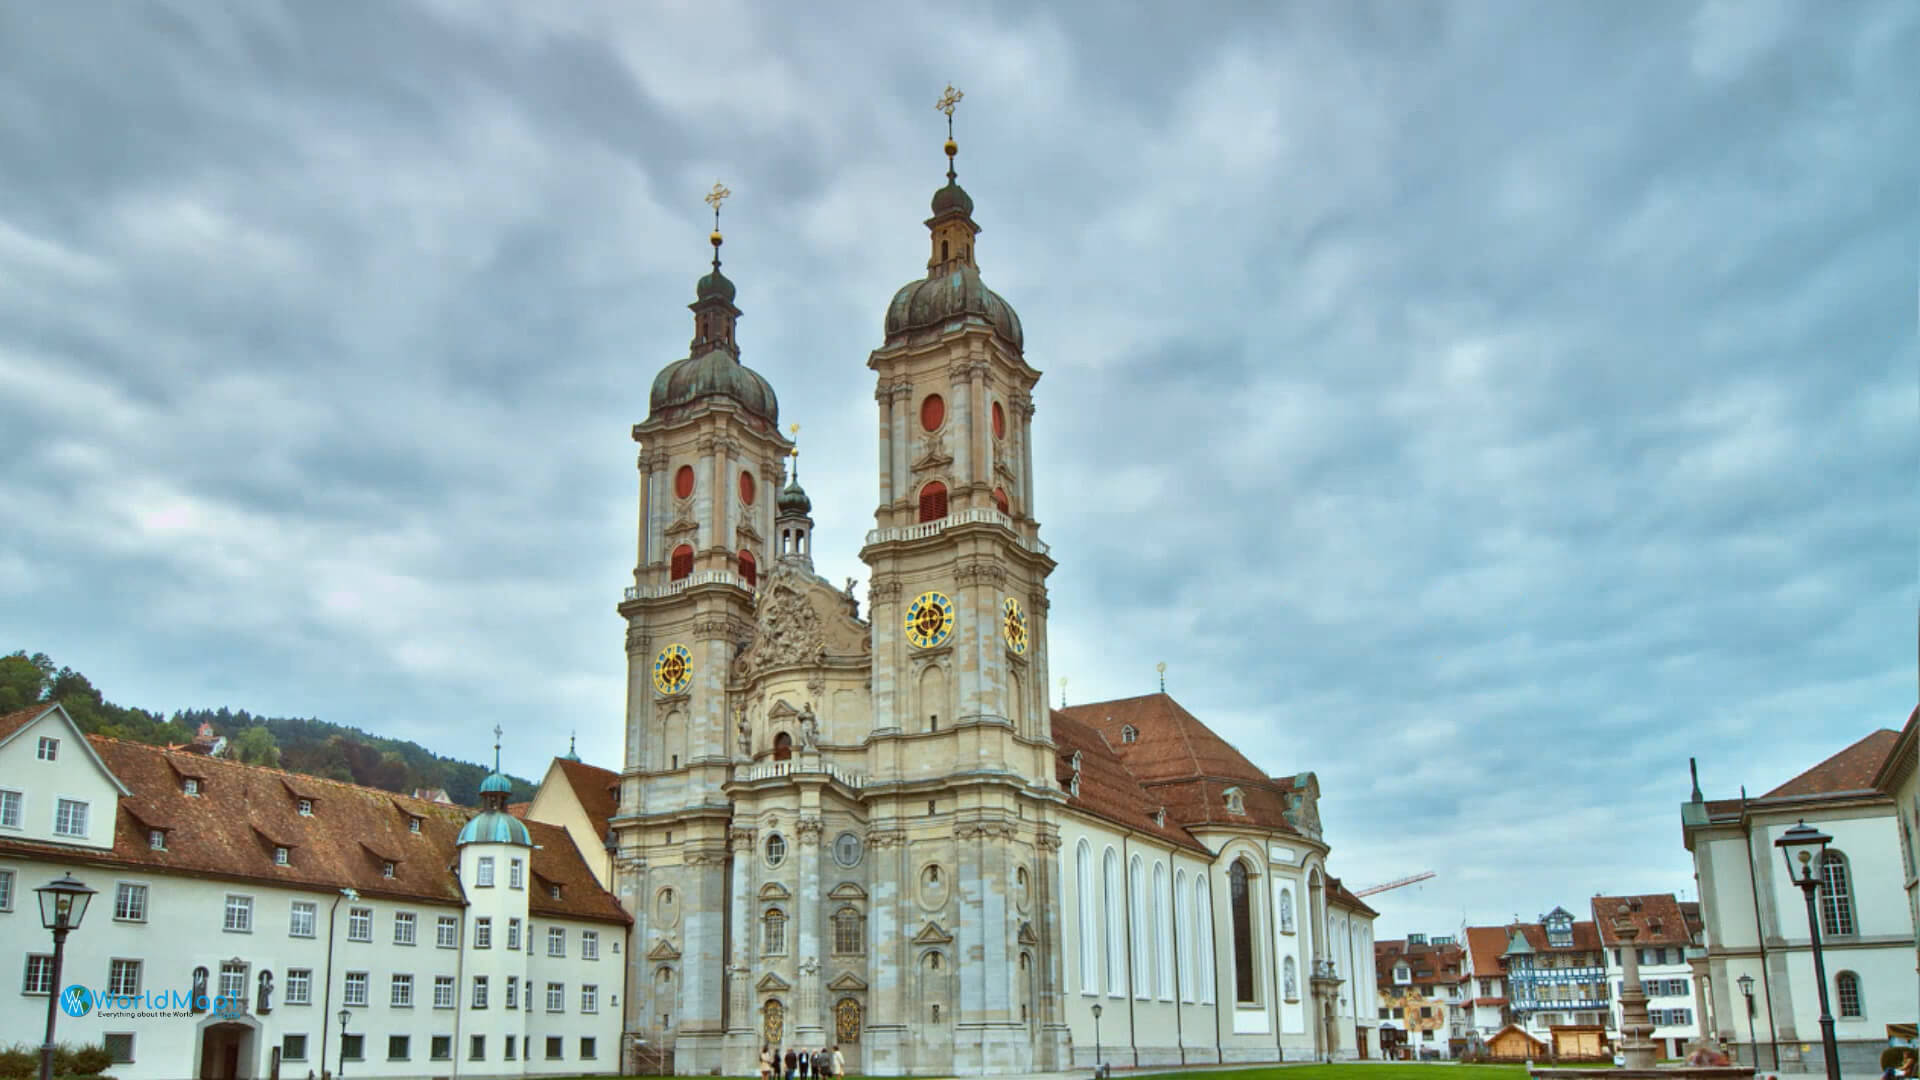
<point>1394,884</point>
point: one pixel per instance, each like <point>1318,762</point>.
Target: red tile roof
<point>597,789</point>
<point>229,832</point>
<point>1429,966</point>
<point>1338,894</point>
<point>1107,789</point>
<point>1851,769</point>
<point>19,718</point>
<point>1485,946</point>
<point>1657,915</point>
<point>1586,937</point>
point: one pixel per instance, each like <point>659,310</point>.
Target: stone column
<point>1025,429</point>
<point>980,432</point>
<point>1635,1026</point>
<point>903,416</point>
<point>639,687</point>
<point>890,962</point>
<point>703,1005</point>
<point>740,957</point>
<point>884,395</point>
<point>644,462</point>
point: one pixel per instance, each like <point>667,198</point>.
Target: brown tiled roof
<point>229,832</point>
<point>19,718</point>
<point>1182,764</point>
<point>1851,769</point>
<point>1337,893</point>
<point>1485,946</point>
<point>1107,789</point>
<point>1428,966</point>
<point>1586,938</point>
<point>1657,915</point>
<point>597,789</point>
<point>518,809</point>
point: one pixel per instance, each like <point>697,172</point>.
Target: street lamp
<point>1804,848</point>
<point>344,1016</point>
<point>63,904</point>
<point>1096,1039</point>
<point>1746,989</point>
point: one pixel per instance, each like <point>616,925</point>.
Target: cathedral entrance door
<point>848,1021</point>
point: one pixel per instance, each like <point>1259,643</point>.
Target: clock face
<point>1013,625</point>
<point>929,620</point>
<point>672,669</point>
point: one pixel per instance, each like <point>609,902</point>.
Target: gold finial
<point>946,104</point>
<point>714,198</point>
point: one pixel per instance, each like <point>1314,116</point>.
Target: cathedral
<point>871,830</point>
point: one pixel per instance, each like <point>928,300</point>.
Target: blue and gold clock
<point>929,620</point>
<point>1013,625</point>
<point>672,669</point>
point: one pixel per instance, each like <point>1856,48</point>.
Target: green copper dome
<point>714,286</point>
<point>496,783</point>
<point>793,498</point>
<point>495,827</point>
<point>952,197</point>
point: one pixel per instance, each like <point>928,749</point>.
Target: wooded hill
<point>302,745</point>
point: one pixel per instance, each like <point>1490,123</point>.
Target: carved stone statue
<point>1292,984</point>
<point>265,1002</point>
<point>853,605</point>
<point>809,729</point>
<point>746,736</point>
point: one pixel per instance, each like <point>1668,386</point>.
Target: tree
<point>23,679</point>
<point>255,746</point>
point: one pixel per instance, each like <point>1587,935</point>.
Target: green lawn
<point>1355,1071</point>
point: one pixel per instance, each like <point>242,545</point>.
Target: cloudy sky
<point>1484,405</point>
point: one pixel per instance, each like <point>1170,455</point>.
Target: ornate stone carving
<point>638,640</point>
<point>1047,840</point>
<point>746,735</point>
<point>981,572</point>
<point>706,444</point>
<point>886,838</point>
<point>787,629</point>
<point>1037,600</point>
<point>740,837</point>
<point>711,627</point>
<point>809,727</point>
<point>704,858</point>
<point>902,391</point>
<point>986,830</point>
<point>883,588</point>
<point>933,453</point>
<point>809,830</point>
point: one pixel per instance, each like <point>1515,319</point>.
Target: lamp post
<point>344,1017</point>
<point>1097,1069</point>
<point>63,904</point>
<point>1746,989</point>
<point>1806,846</point>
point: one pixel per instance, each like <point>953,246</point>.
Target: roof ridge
<point>277,771</point>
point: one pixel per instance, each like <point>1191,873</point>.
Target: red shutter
<point>933,501</point>
<point>682,564</point>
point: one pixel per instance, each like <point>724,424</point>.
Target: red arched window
<point>933,412</point>
<point>999,421</point>
<point>749,570</point>
<point>782,746</point>
<point>746,487</point>
<point>682,563</point>
<point>933,501</point>
<point>1000,500</point>
<point>683,482</point>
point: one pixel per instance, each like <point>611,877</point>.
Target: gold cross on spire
<point>946,104</point>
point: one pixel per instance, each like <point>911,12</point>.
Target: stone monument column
<point>740,1019</point>
<point>1635,1026</point>
<point>809,1023</point>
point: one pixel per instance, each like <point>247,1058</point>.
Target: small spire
<point>496,747</point>
<point>946,104</point>
<point>794,429</point>
<point>1161,667</point>
<point>1063,691</point>
<point>714,198</point>
<point>1693,766</point>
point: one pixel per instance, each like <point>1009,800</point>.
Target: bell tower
<point>710,463</point>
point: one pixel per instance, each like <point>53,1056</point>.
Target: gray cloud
<point>1487,410</point>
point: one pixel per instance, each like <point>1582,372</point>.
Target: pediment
<point>932,934</point>
<point>772,981</point>
<point>847,981</point>
<point>773,890</point>
<point>748,535</point>
<point>847,890</point>
<point>684,525</point>
<point>663,950</point>
<point>1026,934</point>
<point>782,710</point>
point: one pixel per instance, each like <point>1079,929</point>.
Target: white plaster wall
<point>73,774</point>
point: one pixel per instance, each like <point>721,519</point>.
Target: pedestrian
<point>822,1063</point>
<point>839,1062</point>
<point>805,1062</point>
<point>766,1062</point>
<point>789,1063</point>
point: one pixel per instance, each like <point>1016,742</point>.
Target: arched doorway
<point>782,746</point>
<point>849,1020</point>
<point>227,1049</point>
<point>773,1026</point>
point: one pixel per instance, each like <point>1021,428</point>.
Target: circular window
<point>999,421</point>
<point>776,849</point>
<point>666,909</point>
<point>746,488</point>
<point>683,482</point>
<point>846,849</point>
<point>933,412</point>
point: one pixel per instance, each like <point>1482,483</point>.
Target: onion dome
<point>952,197</point>
<point>712,367</point>
<point>793,499</point>
<point>493,825</point>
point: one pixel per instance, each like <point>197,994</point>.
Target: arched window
<point>1846,987</point>
<point>682,564</point>
<point>749,569</point>
<point>1204,944</point>
<point>774,931</point>
<point>1001,501</point>
<point>1083,888</point>
<point>1235,800</point>
<point>1129,733</point>
<point>1286,911</point>
<point>782,746</point>
<point>849,932</point>
<point>1142,955</point>
<point>1836,895</point>
<point>1116,925</point>
<point>1162,936</point>
<point>1240,901</point>
<point>933,501</point>
<point>1183,932</point>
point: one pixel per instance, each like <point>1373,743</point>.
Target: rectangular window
<point>513,991</point>
<point>233,981</point>
<point>9,809</point>
<point>553,1048</point>
<point>446,932</point>
<point>398,1047</point>
<point>401,995</point>
<point>157,839</point>
<point>589,944</point>
<point>356,993</point>
<point>510,1048</point>
<point>479,991</point>
<point>589,998</point>
<point>239,918</point>
<point>190,786</point>
<point>301,922</point>
<point>513,934</point>
<point>6,890</point>
<point>413,824</point>
<point>483,932</point>
<point>70,818</point>
<point>293,1048</point>
<point>281,856</point>
<point>305,807</point>
<point>360,924</point>
<point>353,1047</point>
<point>123,978</point>
<point>556,997</point>
<point>587,1048</point>
<point>49,748</point>
<point>483,873</point>
<point>130,902</point>
<point>403,928</point>
<point>299,986</point>
<point>477,1048</point>
<point>443,991</point>
<point>516,874</point>
<point>443,1048</point>
<point>556,941</point>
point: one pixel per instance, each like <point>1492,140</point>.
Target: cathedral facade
<point>872,831</point>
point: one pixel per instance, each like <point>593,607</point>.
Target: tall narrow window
<point>1162,937</point>
<point>1142,950</point>
<point>1083,888</point>
<point>682,563</point>
<point>1836,897</point>
<point>775,934</point>
<point>782,746</point>
<point>1183,933</point>
<point>1116,925</point>
<point>1239,898</point>
<point>933,501</point>
<point>1846,987</point>
<point>1204,944</point>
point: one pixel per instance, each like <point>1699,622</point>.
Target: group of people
<point>826,1063</point>
<point>1903,1071</point>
